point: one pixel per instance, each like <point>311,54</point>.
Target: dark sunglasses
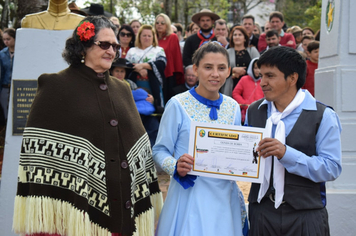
<point>106,45</point>
<point>160,22</point>
<point>122,34</point>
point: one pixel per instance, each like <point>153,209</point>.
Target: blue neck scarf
<point>209,103</point>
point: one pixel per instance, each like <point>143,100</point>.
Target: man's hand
<point>238,71</point>
<point>271,147</point>
<point>184,164</point>
<point>222,40</point>
<point>143,73</point>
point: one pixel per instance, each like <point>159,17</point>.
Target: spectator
<point>312,65</point>
<point>195,209</point>
<point>297,33</point>
<point>205,19</point>
<point>248,89</point>
<point>149,63</point>
<point>126,37</point>
<point>302,151</point>
<point>272,40</point>
<point>248,22</point>
<point>174,30</point>
<point>119,69</point>
<point>170,43</point>
<point>116,21</point>
<point>277,22</point>
<point>6,59</point>
<point>257,30</point>
<point>179,31</point>
<point>240,55</point>
<point>305,41</point>
<point>192,28</point>
<point>307,31</point>
<point>267,27</point>
<point>135,25</point>
<point>221,32</point>
<point>191,80</point>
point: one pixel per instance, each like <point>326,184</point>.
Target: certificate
<point>226,151</point>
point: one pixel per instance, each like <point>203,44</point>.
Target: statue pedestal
<point>37,52</point>
<point>335,83</point>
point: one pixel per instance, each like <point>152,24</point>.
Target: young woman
<point>208,206</point>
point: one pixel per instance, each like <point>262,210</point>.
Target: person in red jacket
<point>312,65</point>
<point>248,89</point>
<point>277,22</point>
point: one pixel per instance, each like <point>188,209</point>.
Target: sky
<point>80,3</point>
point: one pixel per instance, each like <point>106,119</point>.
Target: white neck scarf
<point>280,134</point>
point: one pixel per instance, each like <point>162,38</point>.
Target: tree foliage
<point>314,13</point>
<point>302,13</point>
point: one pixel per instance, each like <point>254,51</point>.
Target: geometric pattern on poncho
<point>64,161</point>
<point>142,170</point>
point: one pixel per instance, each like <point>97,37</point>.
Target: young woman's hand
<point>184,164</point>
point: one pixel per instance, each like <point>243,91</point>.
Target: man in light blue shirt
<point>303,152</point>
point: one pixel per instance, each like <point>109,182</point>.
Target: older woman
<point>86,165</point>
<point>170,43</point>
<point>240,55</point>
<point>126,37</point>
<point>150,61</point>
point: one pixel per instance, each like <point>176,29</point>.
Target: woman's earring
<point>82,61</point>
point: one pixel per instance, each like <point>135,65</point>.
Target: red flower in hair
<point>85,31</point>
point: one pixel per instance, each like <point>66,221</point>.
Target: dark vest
<point>299,192</point>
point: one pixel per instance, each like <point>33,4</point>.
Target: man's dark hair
<point>248,16</point>
<point>270,33</point>
<point>179,27</point>
<point>313,45</point>
<point>220,22</point>
<point>276,14</point>
<point>287,60</point>
<point>307,37</point>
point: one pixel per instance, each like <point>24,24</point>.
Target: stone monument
<point>335,83</point>
<point>57,17</point>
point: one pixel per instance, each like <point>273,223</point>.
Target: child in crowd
<point>143,100</point>
<point>248,88</point>
<point>119,70</point>
<point>312,65</point>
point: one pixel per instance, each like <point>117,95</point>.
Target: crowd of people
<point>146,84</point>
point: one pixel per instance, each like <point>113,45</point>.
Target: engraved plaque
<point>23,92</point>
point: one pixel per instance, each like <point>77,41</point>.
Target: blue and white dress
<point>212,206</point>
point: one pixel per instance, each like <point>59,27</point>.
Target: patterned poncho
<point>86,165</point>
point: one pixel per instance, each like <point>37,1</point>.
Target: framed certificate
<point>226,151</point>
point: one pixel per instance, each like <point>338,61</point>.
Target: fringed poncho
<point>86,165</point>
